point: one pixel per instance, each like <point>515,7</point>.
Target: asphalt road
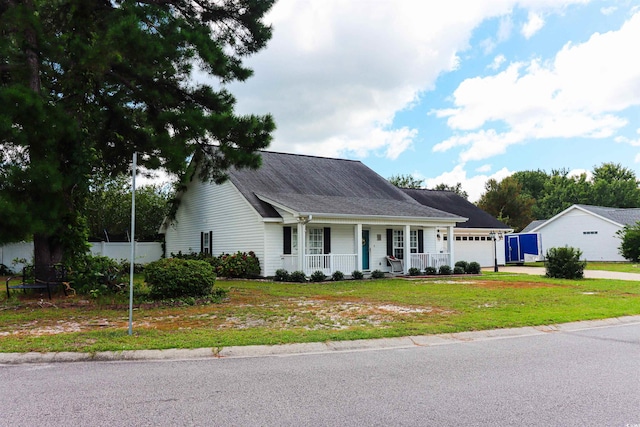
<point>588,377</point>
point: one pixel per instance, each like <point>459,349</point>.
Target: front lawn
<point>263,312</point>
<point>623,267</point>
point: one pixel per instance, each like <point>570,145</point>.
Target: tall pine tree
<point>86,83</point>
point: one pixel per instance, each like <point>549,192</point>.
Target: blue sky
<point>455,91</point>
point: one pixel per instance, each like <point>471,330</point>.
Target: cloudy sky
<point>453,91</point>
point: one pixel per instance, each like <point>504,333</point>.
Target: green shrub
<point>178,278</point>
<point>430,271</point>
<point>463,264</point>
<point>458,270</point>
<point>93,275</point>
<point>564,263</point>
<point>125,266</point>
<point>473,268</point>
<point>318,276</point>
<point>282,275</point>
<point>198,256</point>
<point>298,276</point>
<point>377,274</point>
<point>444,270</point>
<point>240,264</point>
<point>337,276</point>
<point>413,271</point>
<point>630,246</point>
<point>357,275</point>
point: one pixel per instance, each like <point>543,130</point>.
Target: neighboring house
<point>310,213</point>
<point>532,225</point>
<point>592,229</point>
<point>473,241</point>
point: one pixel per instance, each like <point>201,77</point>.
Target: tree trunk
<point>46,250</point>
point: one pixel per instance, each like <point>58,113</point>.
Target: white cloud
<point>484,168</point>
<point>580,93</point>
<point>608,10</point>
<point>336,72</point>
<point>497,62</point>
<point>474,186</point>
<point>504,29</point>
<point>625,140</point>
<point>533,25</point>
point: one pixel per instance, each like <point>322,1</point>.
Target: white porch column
<point>357,239</point>
<point>301,249</point>
<point>407,248</point>
<point>450,240</point>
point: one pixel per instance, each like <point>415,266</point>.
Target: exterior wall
<point>221,209</point>
<point>272,259</point>
<point>569,230</point>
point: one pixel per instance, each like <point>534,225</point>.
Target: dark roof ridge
<point>309,155</point>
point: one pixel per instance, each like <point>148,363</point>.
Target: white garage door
<point>481,251</point>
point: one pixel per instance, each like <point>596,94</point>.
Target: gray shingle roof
<point>623,216</point>
<point>321,185</point>
<point>451,202</point>
<point>533,224</point>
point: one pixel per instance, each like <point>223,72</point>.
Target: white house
<point>310,213</point>
<point>474,238</point>
<point>592,229</point>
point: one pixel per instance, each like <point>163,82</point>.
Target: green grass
<point>623,267</point>
<point>263,312</point>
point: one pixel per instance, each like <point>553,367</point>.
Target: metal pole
<point>133,240</point>
<point>495,254</point>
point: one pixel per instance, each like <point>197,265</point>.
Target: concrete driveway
<point>590,274</point>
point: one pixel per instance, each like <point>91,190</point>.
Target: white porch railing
<point>328,263</point>
<point>346,263</point>
<point>423,261</point>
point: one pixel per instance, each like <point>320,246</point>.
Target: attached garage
<point>473,238</point>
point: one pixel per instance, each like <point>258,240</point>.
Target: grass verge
<point>263,312</point>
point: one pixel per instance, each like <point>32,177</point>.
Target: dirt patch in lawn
<point>283,314</point>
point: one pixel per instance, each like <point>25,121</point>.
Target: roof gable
<point>617,216</point>
<point>320,185</point>
<point>451,202</point>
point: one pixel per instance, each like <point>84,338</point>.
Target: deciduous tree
<point>505,201</point>
<point>405,181</point>
<point>455,188</point>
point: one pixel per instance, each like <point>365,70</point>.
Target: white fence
<point>145,252</point>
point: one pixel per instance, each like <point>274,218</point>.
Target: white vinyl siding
<point>568,229</point>
<point>221,209</point>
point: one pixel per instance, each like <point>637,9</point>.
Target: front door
<point>365,249</point>
<point>513,251</point>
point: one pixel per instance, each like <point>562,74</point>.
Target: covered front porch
<point>329,246</point>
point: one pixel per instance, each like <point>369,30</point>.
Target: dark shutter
<point>389,242</point>
<point>327,240</point>
<point>420,241</point>
<point>201,242</point>
<point>211,242</point>
<point>286,240</point>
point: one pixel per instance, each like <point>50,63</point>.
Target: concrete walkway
<point>589,274</point>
